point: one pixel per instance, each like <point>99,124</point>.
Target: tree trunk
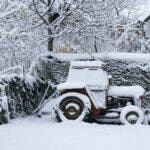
<point>50,39</point>
<point>95,44</point>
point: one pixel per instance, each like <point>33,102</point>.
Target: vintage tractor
<point>88,95</point>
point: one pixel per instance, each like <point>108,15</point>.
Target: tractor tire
<point>73,107</point>
<point>132,115</point>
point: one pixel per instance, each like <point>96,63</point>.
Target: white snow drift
<point>43,134</point>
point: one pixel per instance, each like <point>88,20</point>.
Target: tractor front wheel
<point>132,115</point>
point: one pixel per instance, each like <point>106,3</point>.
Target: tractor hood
<point>126,91</point>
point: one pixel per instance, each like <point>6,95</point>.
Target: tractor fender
<point>82,97</point>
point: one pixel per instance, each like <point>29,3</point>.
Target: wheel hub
<point>72,112</point>
<point>132,117</point>
<point>72,108</point>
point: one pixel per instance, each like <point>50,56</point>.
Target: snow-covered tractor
<point>88,95</point>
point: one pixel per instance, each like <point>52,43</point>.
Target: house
<point>146,22</point>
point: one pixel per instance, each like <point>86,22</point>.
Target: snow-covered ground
<point>44,134</point>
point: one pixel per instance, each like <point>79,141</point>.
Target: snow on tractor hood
<point>127,91</point>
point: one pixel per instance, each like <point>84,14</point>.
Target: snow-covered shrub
<point>24,93</point>
<point>127,72</point>
<point>130,72</point>
<point>51,69</point>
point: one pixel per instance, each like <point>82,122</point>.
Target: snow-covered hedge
<point>50,68</point>
<point>125,68</point>
<point>24,93</point>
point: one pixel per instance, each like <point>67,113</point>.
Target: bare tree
<point>100,27</point>
<point>20,40</point>
<point>56,16</point>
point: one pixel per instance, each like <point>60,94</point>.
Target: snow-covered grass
<point>44,134</point>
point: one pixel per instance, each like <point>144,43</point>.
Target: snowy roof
<point>147,19</point>
<point>141,11</point>
<point>144,12</point>
<point>86,63</point>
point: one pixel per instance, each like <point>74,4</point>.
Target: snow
<point>7,76</point>
<point>140,11</point>
<point>4,102</point>
<point>134,91</point>
<point>106,55</point>
<point>70,85</point>
<point>113,114</point>
<point>13,70</point>
<point>81,77</point>
<point>43,134</point>
<point>144,11</point>
<point>84,98</point>
<point>98,97</point>
<point>74,105</point>
<point>86,64</point>
<point>30,79</point>
<point>27,78</point>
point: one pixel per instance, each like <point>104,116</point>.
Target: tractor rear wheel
<point>73,107</point>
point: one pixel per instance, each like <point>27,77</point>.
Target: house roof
<point>144,12</point>
<point>147,18</point>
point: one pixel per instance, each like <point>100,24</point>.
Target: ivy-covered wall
<point>124,71</point>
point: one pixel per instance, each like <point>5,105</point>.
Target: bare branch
<point>38,13</point>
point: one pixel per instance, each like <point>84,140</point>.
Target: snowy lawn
<point>43,134</point>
